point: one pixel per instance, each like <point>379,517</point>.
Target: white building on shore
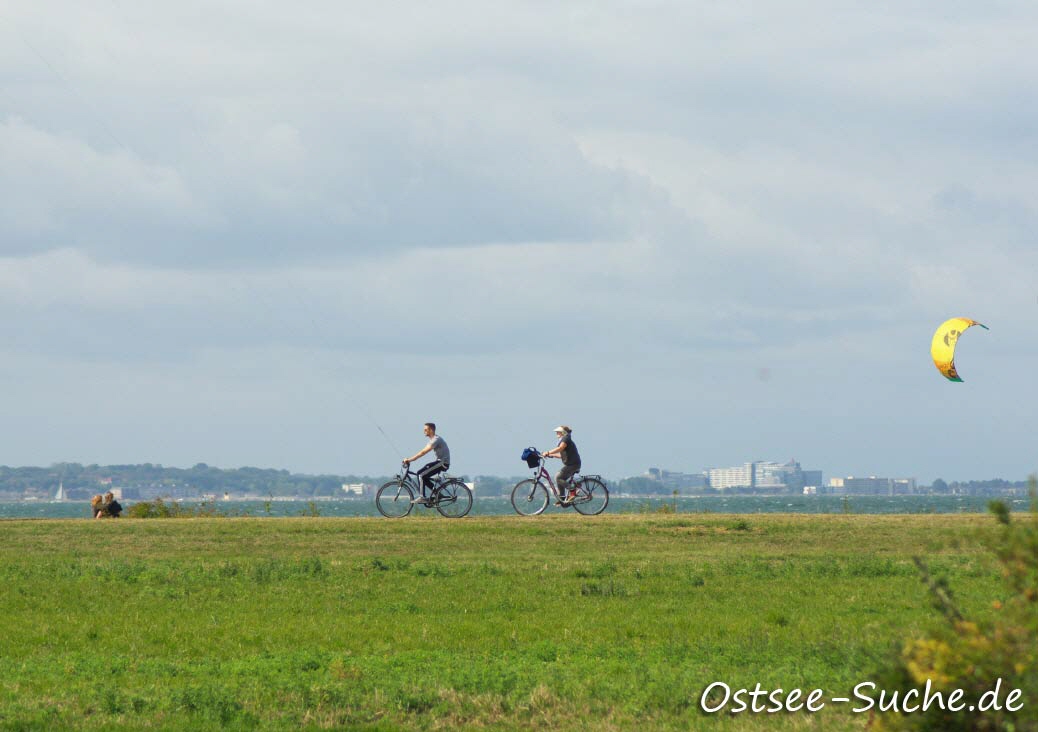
<point>765,476</point>
<point>871,486</point>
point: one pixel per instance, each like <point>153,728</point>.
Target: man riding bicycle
<point>567,450</point>
<point>437,466</point>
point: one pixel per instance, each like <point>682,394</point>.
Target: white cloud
<point>56,191</point>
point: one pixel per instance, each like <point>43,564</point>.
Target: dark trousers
<point>427,471</point>
<point>562,477</point>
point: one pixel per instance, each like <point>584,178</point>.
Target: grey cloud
<point>428,132</point>
<point>1006,220</point>
<point>354,189</point>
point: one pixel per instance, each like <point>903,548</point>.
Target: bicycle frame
<point>541,472</point>
<point>410,478</point>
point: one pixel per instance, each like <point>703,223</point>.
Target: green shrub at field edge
<point>974,654</point>
<point>172,509</point>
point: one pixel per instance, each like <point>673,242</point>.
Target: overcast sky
<point>700,233</point>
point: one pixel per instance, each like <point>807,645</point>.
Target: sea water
<point>500,505</point>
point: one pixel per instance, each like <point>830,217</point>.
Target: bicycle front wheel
<point>529,497</point>
<point>454,499</point>
<point>393,499</point>
<point>592,497</point>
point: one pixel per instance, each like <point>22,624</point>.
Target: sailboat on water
<point>60,495</point>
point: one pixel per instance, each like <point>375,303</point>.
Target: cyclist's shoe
<point>420,500</point>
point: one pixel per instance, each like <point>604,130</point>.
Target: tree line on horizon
<point>203,479</point>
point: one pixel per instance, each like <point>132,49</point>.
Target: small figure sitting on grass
<point>96,506</point>
<point>111,508</point>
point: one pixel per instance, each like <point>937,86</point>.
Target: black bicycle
<point>449,496</point>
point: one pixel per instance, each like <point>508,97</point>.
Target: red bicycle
<point>530,497</point>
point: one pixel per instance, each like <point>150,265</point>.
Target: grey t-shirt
<point>569,455</point>
<point>438,445</point>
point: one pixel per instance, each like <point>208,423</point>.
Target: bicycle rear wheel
<point>529,497</point>
<point>592,497</point>
<point>453,499</point>
<point>393,499</point>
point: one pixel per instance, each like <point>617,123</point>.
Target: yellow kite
<point>943,346</point>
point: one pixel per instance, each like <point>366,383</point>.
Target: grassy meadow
<point>557,622</point>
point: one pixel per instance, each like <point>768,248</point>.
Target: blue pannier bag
<point>532,456</point>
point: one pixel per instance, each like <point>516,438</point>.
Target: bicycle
<point>530,497</point>
<point>449,496</point>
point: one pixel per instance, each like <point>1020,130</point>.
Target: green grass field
<point>617,622</point>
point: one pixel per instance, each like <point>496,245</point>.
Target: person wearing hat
<point>437,466</point>
<point>567,450</point>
